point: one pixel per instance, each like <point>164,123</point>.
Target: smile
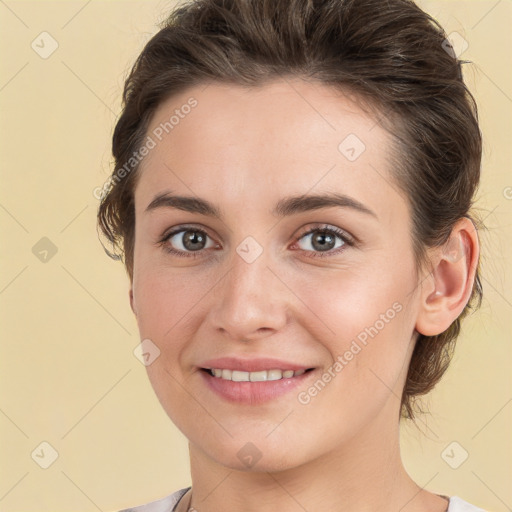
<point>260,376</point>
<point>256,387</point>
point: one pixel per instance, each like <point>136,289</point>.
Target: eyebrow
<point>285,207</point>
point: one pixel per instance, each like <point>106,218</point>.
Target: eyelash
<point>347,241</point>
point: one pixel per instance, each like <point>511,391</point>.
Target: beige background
<point>68,375</point>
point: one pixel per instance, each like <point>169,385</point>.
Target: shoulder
<point>459,505</point>
<point>165,504</point>
<point>168,503</point>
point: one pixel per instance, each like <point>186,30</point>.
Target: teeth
<point>238,376</point>
<point>261,376</point>
<point>274,374</point>
<point>257,376</point>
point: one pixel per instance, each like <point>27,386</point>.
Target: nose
<point>250,301</point>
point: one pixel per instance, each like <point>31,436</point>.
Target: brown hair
<point>390,54</point>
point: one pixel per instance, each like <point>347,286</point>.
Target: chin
<point>268,463</point>
<point>261,455</point>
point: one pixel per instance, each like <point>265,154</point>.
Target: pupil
<point>323,240</point>
<point>193,238</point>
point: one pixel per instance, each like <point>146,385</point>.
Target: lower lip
<point>253,393</point>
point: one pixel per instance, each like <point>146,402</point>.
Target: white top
<point>169,503</point>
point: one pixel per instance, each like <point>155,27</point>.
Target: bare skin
<point>244,150</point>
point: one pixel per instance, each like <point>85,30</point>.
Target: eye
<point>320,241</point>
<point>186,242</point>
<point>323,241</point>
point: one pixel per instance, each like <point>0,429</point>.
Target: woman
<point>292,199</point>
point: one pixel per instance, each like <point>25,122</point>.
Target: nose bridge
<point>249,299</point>
<point>248,277</point>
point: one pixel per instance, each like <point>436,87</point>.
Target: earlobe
<point>447,289</point>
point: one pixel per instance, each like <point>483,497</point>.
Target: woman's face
<point>257,276</point>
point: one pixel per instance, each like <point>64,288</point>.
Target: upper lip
<point>252,365</point>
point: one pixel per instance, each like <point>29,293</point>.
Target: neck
<point>364,474</point>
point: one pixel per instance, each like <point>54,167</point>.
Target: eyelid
<point>182,227</point>
<point>343,234</point>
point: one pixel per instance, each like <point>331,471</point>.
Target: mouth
<point>258,376</point>
<point>245,388</point>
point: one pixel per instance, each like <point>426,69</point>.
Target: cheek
<point>165,300</point>
<point>372,325</point>
<point>369,320</point>
<point>347,301</point>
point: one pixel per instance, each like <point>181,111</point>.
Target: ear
<point>447,288</point>
<point>132,305</point>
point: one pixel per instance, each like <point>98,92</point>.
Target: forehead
<point>228,142</point>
